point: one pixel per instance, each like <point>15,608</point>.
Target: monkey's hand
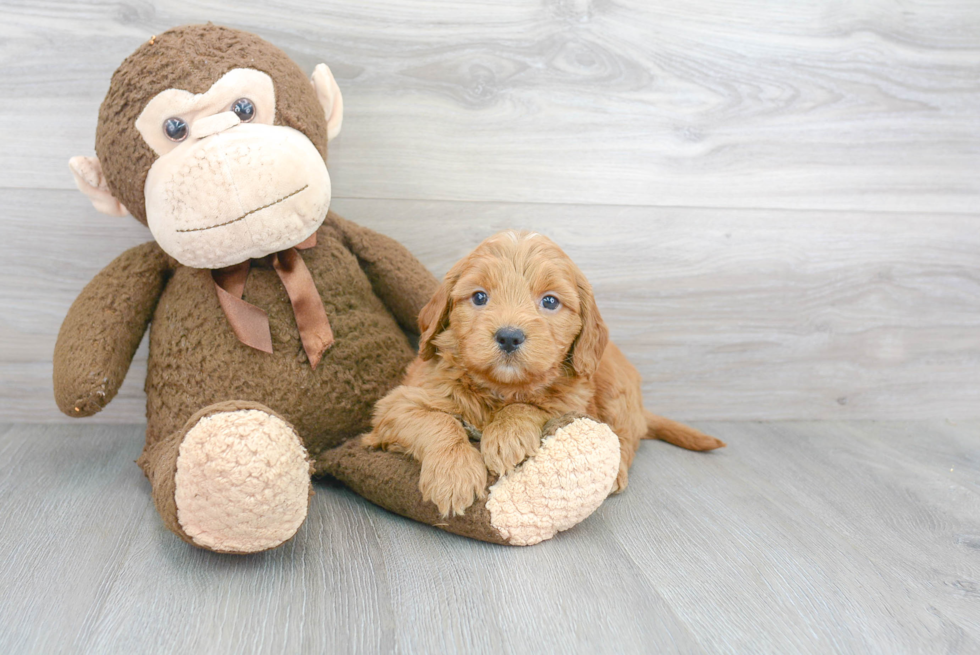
<point>512,436</point>
<point>104,327</point>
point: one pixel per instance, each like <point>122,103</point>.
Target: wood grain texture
<point>644,137</point>
<point>728,314</point>
<point>816,105</point>
<point>777,204</point>
<point>800,537</point>
<point>829,506</point>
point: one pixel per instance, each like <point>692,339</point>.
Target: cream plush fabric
<point>242,482</point>
<point>560,486</point>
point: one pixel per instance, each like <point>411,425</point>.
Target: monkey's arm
<point>402,283</point>
<point>103,328</point>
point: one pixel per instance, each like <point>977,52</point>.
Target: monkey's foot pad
<point>242,482</point>
<point>559,487</point>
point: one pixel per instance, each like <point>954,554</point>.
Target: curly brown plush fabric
<point>104,328</point>
<point>390,480</point>
<point>197,360</point>
<point>197,364</point>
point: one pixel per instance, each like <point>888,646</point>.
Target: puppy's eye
<point>480,298</point>
<point>550,302</point>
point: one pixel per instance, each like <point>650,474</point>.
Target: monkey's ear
<point>328,93</point>
<point>87,172</point>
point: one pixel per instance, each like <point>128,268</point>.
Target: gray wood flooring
<point>809,537</point>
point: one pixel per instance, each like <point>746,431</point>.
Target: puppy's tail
<point>679,434</point>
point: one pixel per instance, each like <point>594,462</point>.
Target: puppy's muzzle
<point>509,339</point>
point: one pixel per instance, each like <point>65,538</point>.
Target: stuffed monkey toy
<point>274,324</point>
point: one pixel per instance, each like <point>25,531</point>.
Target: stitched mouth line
<point>248,213</point>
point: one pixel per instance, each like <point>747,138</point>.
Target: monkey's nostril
<point>509,339</point>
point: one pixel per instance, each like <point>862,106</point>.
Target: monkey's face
<point>228,184</point>
<point>217,141</point>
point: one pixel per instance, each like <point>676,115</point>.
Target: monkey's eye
<point>550,303</point>
<point>480,298</point>
<point>244,109</point>
<point>175,129</point>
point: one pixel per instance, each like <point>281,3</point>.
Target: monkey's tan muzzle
<point>235,192</point>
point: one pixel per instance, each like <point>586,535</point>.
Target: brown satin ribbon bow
<point>251,324</point>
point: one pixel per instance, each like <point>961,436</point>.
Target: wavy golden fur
<point>511,339</point>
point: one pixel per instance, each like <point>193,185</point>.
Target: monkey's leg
<point>235,479</point>
<point>553,490</point>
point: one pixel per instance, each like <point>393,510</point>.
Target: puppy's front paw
<point>505,445</point>
<point>622,479</point>
<point>453,478</point>
<point>372,440</point>
<point>375,440</point>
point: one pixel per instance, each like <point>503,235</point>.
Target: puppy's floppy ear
<point>591,342</point>
<point>434,318</point>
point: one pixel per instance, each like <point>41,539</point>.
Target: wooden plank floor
<point>810,537</point>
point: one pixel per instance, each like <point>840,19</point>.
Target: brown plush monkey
<point>274,324</point>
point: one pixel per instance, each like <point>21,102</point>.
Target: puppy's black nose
<point>509,339</point>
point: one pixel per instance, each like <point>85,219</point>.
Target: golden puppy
<point>511,339</point>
